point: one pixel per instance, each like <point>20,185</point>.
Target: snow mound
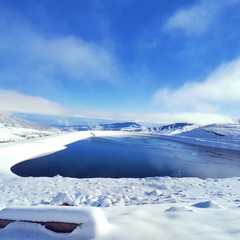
<point>62,199</point>
<point>207,204</point>
<point>178,209</point>
<point>93,220</point>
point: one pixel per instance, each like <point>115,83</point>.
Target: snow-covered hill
<point>225,135</point>
<point>15,129</point>
<point>172,129</point>
<point>216,135</point>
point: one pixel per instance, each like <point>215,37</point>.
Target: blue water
<point>133,157</point>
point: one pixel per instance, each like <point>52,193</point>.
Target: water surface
<point>133,157</point>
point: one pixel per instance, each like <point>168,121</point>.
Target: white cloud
<point>29,56</point>
<point>190,117</point>
<point>197,19</point>
<point>75,58</point>
<point>15,102</point>
<point>161,118</point>
<point>219,92</point>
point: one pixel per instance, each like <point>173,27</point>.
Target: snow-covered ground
<point>150,208</point>
<point>15,129</point>
<point>146,208</point>
<point>215,135</point>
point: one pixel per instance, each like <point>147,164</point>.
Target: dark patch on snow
<point>218,134</point>
<point>58,227</point>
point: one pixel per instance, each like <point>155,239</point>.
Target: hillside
<point>14,129</point>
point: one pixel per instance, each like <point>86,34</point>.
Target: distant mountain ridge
<point>14,128</point>
<point>172,126</point>
<point>136,127</point>
<point>121,126</point>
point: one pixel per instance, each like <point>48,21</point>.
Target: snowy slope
<point>172,129</point>
<point>215,135</point>
<point>15,129</point>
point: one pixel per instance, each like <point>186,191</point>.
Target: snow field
<point>144,208</point>
<point>147,208</point>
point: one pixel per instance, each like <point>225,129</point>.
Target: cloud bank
<point>15,102</point>
<point>219,92</point>
<point>165,118</point>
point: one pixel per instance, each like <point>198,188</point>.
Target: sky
<point>147,61</point>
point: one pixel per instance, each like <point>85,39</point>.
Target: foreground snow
<point>147,208</point>
<point>151,208</point>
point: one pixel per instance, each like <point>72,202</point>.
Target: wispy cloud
<point>16,102</point>
<point>196,19</point>
<point>28,55</point>
<point>219,92</point>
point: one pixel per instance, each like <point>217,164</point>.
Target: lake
<point>133,157</point>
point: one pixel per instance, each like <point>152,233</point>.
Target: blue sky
<point>154,61</point>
